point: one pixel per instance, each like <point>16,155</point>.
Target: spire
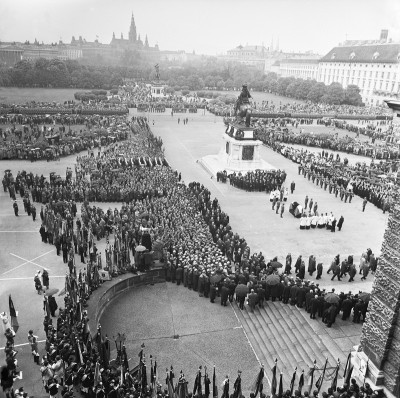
<point>146,42</point>
<point>132,30</point>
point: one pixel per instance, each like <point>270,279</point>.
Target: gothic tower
<point>132,31</point>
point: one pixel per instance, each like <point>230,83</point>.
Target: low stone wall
<point>103,296</point>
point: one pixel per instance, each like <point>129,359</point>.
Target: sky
<point>205,26</point>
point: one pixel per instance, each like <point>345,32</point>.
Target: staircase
<point>284,332</point>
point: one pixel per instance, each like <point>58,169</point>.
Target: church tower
<point>132,31</point>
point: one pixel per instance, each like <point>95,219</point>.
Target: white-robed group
<point>315,220</point>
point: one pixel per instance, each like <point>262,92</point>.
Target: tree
<point>317,92</point>
<point>283,84</point>
<point>334,94</point>
<point>352,96</point>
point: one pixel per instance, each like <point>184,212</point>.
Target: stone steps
<point>287,333</point>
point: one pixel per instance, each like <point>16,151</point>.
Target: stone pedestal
<point>380,339</point>
<point>157,90</point>
<point>240,152</point>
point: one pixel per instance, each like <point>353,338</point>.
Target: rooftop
<point>377,53</point>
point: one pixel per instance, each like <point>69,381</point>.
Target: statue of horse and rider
<point>243,106</point>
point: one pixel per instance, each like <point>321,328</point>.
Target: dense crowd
<point>199,249</point>
<point>39,137</point>
<point>308,111</point>
<point>259,180</point>
<point>340,178</point>
<point>280,130</point>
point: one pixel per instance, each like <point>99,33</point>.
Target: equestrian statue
<point>243,106</point>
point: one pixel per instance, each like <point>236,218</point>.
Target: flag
<point>97,375</point>
<point>197,383</point>
<point>311,377</point>
<point>13,315</point>
<point>280,390</point>
<point>292,382</point>
<point>207,383</point>
<point>258,386</point>
<point>320,380</point>
<point>348,365</point>
<point>301,381</point>
<point>215,388</point>
<point>79,352</point>
<point>225,384</point>
<point>274,382</point>
<point>335,377</point>
<point>237,387</point>
<point>170,387</point>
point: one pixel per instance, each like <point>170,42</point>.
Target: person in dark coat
<point>302,271</point>
<point>252,300</point>
<point>288,264</point>
<point>314,305</point>
<point>232,287</point>
<point>352,272</point>
<point>261,296</point>
<point>213,293</point>
<point>45,279</point>
<point>274,291</point>
<point>15,207</point>
<point>321,305</point>
<point>347,306</point>
<point>309,297</point>
<point>293,294</point>
<point>340,223</point>
<point>185,276</point>
<point>336,271</point>
<point>298,263</point>
<point>333,227</point>
<point>331,318</point>
<point>357,311</point>
<point>319,270</point>
<point>195,280</point>
<point>178,275</point>
<point>207,286</point>
<point>301,296</point>
<point>52,305</point>
<point>286,293</point>
<point>311,265</point>
<point>224,295</point>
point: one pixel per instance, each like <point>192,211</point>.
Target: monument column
<point>380,338</point>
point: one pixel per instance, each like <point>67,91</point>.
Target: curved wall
<point>102,297</point>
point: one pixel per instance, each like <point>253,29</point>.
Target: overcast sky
<point>206,26</point>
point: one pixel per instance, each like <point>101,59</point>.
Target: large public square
<point>209,335</point>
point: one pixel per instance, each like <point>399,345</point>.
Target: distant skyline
<point>206,26</point>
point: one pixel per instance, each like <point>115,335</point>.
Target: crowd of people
<point>196,243</point>
<point>369,182</point>
<point>40,137</point>
<point>308,110</point>
<point>258,181</point>
<point>281,130</point>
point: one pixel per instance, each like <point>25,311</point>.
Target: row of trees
<point>61,74</point>
<point>207,73</point>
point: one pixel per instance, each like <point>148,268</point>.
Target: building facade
<point>374,68</point>
<point>10,55</point>
<point>306,69</point>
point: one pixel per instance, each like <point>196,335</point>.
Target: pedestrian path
<point>286,333</point>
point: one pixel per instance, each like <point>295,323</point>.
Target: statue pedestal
<point>240,152</point>
<point>157,90</point>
